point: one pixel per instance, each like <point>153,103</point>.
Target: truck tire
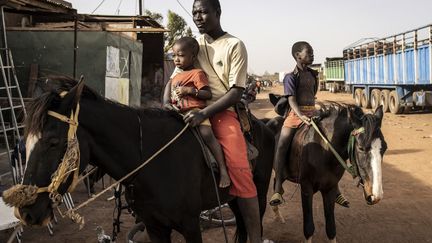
<point>365,102</point>
<point>394,103</point>
<point>375,98</point>
<point>384,100</point>
<point>357,96</point>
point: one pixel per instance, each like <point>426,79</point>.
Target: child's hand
<point>184,91</point>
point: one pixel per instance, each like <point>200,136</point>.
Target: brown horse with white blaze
<point>355,136</point>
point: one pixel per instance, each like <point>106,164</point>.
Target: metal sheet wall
<point>53,52</point>
<point>399,68</point>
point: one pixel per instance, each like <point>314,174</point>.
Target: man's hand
<point>194,118</point>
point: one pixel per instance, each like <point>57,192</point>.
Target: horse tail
<point>241,233</point>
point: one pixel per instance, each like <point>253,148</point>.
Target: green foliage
<point>178,28</point>
<point>156,16</point>
<point>189,32</point>
<point>176,24</point>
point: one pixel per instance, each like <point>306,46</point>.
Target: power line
<point>118,7</point>
<point>100,4</point>
<point>181,5</point>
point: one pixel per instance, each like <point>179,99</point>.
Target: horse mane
<point>52,86</point>
<point>368,120</point>
<point>370,125</point>
<point>332,108</point>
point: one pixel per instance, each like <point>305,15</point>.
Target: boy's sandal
<point>276,199</point>
<point>341,200</point>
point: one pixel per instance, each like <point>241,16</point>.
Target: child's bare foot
<point>225,180</point>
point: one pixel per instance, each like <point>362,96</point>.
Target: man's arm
<point>232,97</point>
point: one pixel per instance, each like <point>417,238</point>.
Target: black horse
<point>167,194</point>
<point>315,167</point>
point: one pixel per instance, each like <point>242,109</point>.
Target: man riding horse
<point>227,74</point>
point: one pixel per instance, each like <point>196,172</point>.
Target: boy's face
<point>183,56</point>
<point>205,17</point>
<point>306,56</point>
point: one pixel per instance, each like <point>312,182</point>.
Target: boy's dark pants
<point>281,157</point>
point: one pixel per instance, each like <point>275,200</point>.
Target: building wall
<point>53,53</point>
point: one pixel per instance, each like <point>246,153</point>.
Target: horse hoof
<point>276,200</point>
<point>267,241</point>
<point>308,240</point>
<point>341,200</point>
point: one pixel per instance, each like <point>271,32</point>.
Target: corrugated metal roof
<point>57,6</point>
<point>61,3</point>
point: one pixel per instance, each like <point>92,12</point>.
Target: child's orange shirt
<point>192,78</point>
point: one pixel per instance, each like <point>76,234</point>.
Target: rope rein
<point>70,163</point>
<point>134,171</point>
<point>349,168</point>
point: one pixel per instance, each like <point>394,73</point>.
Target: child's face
<point>183,56</point>
<point>306,56</point>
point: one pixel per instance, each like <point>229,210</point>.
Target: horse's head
<point>52,156</point>
<point>367,147</point>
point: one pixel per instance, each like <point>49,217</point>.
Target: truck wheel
<point>375,98</point>
<point>394,103</point>
<point>384,100</point>
<point>365,102</point>
<point>357,96</point>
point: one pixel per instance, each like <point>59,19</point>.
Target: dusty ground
<point>405,214</point>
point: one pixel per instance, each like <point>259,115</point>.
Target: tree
<point>177,27</point>
<point>156,16</point>
<point>189,32</point>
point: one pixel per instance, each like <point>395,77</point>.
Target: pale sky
<point>270,27</point>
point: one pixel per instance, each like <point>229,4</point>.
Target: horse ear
<point>273,98</point>
<point>75,92</point>
<point>354,116</point>
<point>379,114</point>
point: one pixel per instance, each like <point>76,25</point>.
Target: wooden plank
<point>55,25</point>
<point>34,70</point>
<point>141,30</point>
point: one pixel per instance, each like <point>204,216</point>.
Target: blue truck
<point>395,71</point>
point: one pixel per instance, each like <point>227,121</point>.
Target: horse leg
<point>191,230</point>
<point>159,233</point>
<point>329,204</point>
<point>308,224</point>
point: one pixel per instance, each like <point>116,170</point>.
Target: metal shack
<point>105,49</point>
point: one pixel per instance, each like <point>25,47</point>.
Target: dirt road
<point>404,215</point>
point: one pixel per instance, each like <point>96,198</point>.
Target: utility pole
<point>141,3</point>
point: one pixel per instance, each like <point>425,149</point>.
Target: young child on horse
<point>300,86</point>
<point>189,90</point>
